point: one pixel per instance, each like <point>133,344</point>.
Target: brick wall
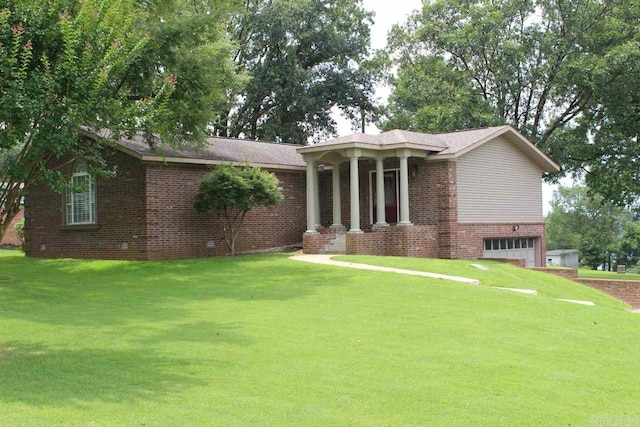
<point>625,290</point>
<point>567,273</point>
<point>120,213</point>
<point>10,238</point>
<point>146,212</point>
<point>416,241</point>
<point>176,230</point>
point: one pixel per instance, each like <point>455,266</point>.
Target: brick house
<point>467,194</point>
<point>11,238</point>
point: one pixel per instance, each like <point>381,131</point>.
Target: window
<point>81,196</point>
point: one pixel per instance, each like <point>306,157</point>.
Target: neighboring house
<point>467,194</point>
<point>10,238</point>
<point>563,258</point>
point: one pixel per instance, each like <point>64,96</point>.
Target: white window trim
<point>70,214</point>
<point>371,172</point>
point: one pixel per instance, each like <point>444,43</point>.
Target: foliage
<point>63,66</point>
<point>587,223</point>
<point>557,71</point>
<point>187,39</point>
<point>230,192</point>
<point>630,244</point>
<point>118,343</point>
<point>19,227</point>
<point>430,95</point>
<point>304,57</point>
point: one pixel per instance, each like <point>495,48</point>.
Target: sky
<point>388,13</point>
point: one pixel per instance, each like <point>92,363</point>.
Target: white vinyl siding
<point>497,182</point>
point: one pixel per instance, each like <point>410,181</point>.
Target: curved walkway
<point>326,260</point>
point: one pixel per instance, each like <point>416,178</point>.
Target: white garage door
<point>524,248</point>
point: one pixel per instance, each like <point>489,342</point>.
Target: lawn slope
<point>270,341</point>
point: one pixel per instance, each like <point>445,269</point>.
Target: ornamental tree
<point>230,192</point>
<point>62,67</point>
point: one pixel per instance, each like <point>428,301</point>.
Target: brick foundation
<point>625,290</point>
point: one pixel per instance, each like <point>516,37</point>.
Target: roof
<point>272,155</point>
<point>219,150</point>
<point>561,252</point>
<point>441,145</point>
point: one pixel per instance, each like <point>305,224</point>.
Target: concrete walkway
<point>326,260</point>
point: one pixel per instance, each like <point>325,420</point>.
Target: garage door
<point>524,248</point>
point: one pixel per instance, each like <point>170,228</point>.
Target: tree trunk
<point>6,221</point>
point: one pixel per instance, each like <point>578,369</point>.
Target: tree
<point>230,192</point>
<point>303,57</point>
<point>187,39</point>
<point>630,243</point>
<point>548,68</point>
<point>430,95</point>
<point>587,223</point>
<point>62,65</point>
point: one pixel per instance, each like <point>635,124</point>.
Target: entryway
<point>391,196</point>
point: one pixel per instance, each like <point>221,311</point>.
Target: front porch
<point>378,218</point>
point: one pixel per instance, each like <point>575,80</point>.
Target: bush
<point>19,227</point>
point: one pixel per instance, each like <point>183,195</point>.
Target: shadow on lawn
<point>113,292</point>
<point>37,375</point>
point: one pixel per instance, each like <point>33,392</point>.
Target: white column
<point>316,183</point>
<point>355,196</point>
<point>404,191</point>
<point>311,198</point>
<point>380,202</point>
<point>337,208</point>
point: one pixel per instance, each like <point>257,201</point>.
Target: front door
<point>390,196</point>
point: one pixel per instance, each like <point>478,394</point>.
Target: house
<point>468,194</point>
<point>563,258</point>
<point>146,211</point>
<point>11,238</point>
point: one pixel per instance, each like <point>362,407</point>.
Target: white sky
<point>388,13</point>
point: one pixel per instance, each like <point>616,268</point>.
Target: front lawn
<point>585,273</point>
<point>270,341</point>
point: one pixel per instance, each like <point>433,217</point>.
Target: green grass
<point>596,274</point>
<point>499,274</point>
<point>269,341</point>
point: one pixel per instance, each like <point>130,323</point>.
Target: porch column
<point>337,208</point>
<point>404,190</point>
<point>311,198</point>
<point>355,196</point>
<point>316,183</point>
<point>381,220</point>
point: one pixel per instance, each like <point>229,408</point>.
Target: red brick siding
<point>11,238</point>
<point>176,230</point>
<point>625,290</point>
<point>150,208</point>
<point>120,216</point>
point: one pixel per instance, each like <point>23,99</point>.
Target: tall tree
<point>542,66</point>
<point>121,66</point>
<point>587,223</point>
<point>303,58</point>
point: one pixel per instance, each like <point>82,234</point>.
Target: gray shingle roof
<point>223,150</point>
<point>452,142</point>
